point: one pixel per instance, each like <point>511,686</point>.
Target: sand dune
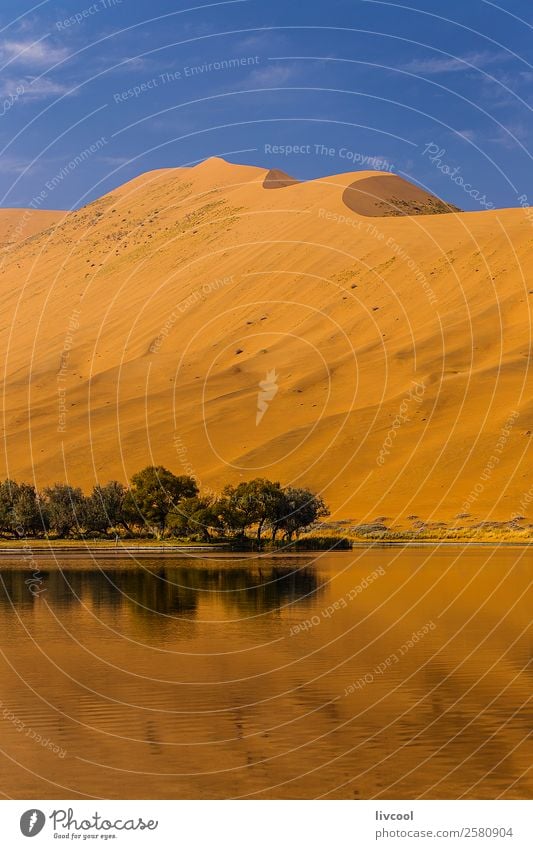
<point>392,352</point>
<point>276,179</point>
<point>390,195</point>
<point>19,224</point>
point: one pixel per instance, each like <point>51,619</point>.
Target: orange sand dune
<point>390,195</point>
<point>19,224</point>
<point>196,319</point>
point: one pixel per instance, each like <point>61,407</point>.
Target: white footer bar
<point>267,824</point>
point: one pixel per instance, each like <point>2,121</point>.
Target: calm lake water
<point>392,673</point>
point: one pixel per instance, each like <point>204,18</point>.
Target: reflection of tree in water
<point>149,592</point>
<point>166,589</point>
<point>254,590</point>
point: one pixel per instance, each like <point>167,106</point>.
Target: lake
<point>377,673</point>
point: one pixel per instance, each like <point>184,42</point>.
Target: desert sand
<point>17,225</point>
<point>390,343</point>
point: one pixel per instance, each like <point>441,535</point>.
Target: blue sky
<point>437,92</point>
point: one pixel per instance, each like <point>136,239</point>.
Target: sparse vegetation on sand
<point>516,530</point>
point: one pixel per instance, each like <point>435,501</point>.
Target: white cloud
<point>35,53</point>
<point>510,136</point>
<point>452,64</point>
<point>469,135</point>
<point>271,75</point>
<point>31,88</point>
<point>12,164</point>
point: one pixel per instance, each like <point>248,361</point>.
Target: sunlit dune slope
<point>19,224</point>
<point>197,319</point>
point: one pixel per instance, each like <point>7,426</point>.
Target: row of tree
<point>157,502</point>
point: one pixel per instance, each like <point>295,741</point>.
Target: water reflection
<point>269,677</point>
<point>159,589</point>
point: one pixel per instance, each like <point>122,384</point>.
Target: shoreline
<point>29,549</point>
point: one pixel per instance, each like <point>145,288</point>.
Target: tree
<point>251,503</point>
<point>155,493</point>
<point>20,512</point>
<point>66,508</point>
<point>299,510</point>
<point>237,508</point>
<point>7,489</point>
<point>232,512</point>
<point>28,516</point>
<point>195,517</point>
<point>105,507</point>
<point>261,500</point>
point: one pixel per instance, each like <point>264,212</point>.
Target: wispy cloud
<point>31,88</point>
<point>123,65</point>
<point>265,42</point>
<point>272,75</point>
<point>118,161</point>
<point>510,137</point>
<point>12,164</point>
<point>500,94</point>
<point>452,64</point>
<point>32,53</point>
<point>469,135</point>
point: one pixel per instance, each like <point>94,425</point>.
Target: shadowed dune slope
<point>389,195</point>
<point>196,319</point>
<point>276,179</point>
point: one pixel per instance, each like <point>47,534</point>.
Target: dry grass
<point>486,532</point>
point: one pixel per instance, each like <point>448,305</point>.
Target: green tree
<point>254,503</point>
<point>155,493</point>
<point>28,516</point>
<point>105,507</point>
<point>234,511</point>
<point>300,508</point>
<point>66,508</point>
<point>196,517</point>
<point>261,499</point>
<point>20,512</point>
<point>7,489</point>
